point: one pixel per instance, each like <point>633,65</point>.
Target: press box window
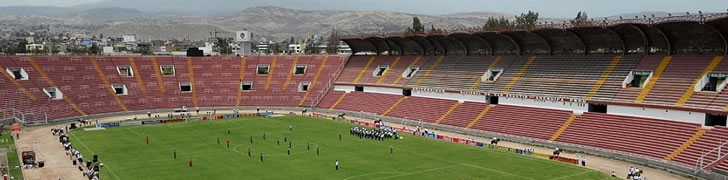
<point>185,87</point>
<point>246,86</point>
<point>713,82</point>
<point>53,93</point>
<point>167,70</point>
<point>380,70</point>
<point>303,87</point>
<point>300,69</point>
<point>120,89</point>
<point>638,79</point>
<point>263,69</point>
<point>491,75</point>
<point>125,71</point>
<point>410,72</point>
<point>18,73</point>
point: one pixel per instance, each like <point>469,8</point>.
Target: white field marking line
<point>567,176</point>
<point>364,175</point>
<point>498,171</point>
<point>89,150</point>
<point>420,171</point>
<point>133,131</point>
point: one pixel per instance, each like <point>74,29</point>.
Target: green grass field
<point>126,155</point>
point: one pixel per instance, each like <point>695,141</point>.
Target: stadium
<point>567,102</point>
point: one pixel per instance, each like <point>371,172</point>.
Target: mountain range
<point>266,22</point>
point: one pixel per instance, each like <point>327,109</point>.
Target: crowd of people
<point>92,167</point>
<point>380,134</point>
<point>635,174</point>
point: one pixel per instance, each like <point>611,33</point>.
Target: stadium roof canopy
<point>675,35</point>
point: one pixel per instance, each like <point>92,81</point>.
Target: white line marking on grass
<point>420,171</point>
<point>133,131</point>
<point>363,175</point>
<point>568,176</point>
<point>498,171</point>
<point>89,150</point>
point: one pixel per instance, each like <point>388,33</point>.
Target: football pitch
<point>126,155</point>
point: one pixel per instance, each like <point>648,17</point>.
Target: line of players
<point>380,134</point>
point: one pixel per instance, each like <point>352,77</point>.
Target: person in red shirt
<point>190,161</point>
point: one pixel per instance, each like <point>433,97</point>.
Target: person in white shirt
<point>629,172</point>
<point>337,164</point>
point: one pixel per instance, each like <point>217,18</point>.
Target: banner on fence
<point>110,125</point>
<point>130,123</point>
<point>152,122</point>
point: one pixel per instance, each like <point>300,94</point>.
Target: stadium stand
<point>97,85</point>
<point>623,133</point>
<point>522,121</point>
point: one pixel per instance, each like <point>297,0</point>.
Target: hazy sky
<point>547,8</point>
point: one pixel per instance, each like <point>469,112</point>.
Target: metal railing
<point>329,84</point>
<point>718,151</point>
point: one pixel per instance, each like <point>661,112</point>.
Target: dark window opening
<point>411,71</point>
<point>18,75</point>
<point>492,99</point>
<point>380,71</point>
<point>406,92</point>
<point>167,70</point>
<point>263,69</point>
<point>639,79</point>
<point>125,71</point>
<point>598,108</point>
<point>300,69</point>
<point>185,87</point>
<point>247,86</point>
<point>493,75</point>
<point>715,120</point>
<point>359,88</point>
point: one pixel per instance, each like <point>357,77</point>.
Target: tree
<point>274,48</point>
<point>94,49</point>
<point>292,41</point>
<point>433,29</point>
<point>416,25</point>
<point>527,20</point>
<point>332,47</point>
<point>144,49</point>
<point>21,47</point>
<point>223,46</point>
<point>581,19</point>
<point>496,23</point>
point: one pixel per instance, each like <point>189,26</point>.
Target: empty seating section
<point>709,141</point>
<point>647,137</point>
<point>457,72</point>
<point>677,77</point>
<point>367,102</point>
<point>628,95</point>
<point>353,68</point>
<point>421,109</point>
<point>392,76</point>
<point>712,100</point>
<point>217,81</point>
<point>395,72</point>
<point>150,86</point>
<point>464,114</point>
<point>572,76</point>
<point>330,99</point>
<point>523,121</point>
<point>510,65</point>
